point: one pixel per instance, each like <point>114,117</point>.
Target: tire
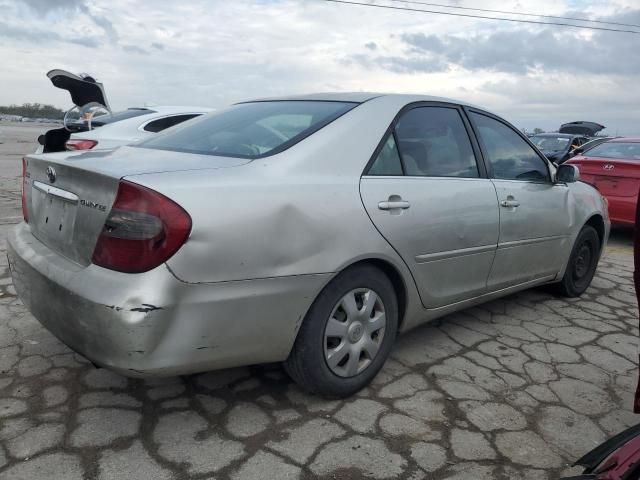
<point>582,264</point>
<point>340,365</point>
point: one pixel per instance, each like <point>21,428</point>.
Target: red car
<point>613,167</point>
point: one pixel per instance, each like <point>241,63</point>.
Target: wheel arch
<point>397,280</point>
<point>597,222</point>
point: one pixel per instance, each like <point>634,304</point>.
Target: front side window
<point>616,150</point>
<point>433,142</point>
<point>511,158</point>
<point>250,130</point>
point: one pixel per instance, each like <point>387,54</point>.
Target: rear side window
<point>433,142</point>
<point>511,158</point>
<point>388,160</point>
<point>250,130</point>
<point>166,122</point>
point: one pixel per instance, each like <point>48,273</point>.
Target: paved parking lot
<point>515,389</point>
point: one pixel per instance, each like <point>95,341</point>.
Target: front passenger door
<point>534,212</point>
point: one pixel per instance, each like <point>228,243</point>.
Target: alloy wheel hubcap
<point>354,332</point>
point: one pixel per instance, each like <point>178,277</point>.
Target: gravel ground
<point>515,389</point>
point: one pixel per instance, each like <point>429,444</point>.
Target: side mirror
<point>567,174</point>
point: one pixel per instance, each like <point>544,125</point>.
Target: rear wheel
<point>347,334</point>
<point>582,263</point>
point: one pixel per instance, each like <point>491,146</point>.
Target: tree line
<point>33,110</point>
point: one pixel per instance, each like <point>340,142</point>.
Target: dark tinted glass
<point>166,122</point>
<point>250,130</point>
<point>550,144</point>
<point>388,160</point>
<point>510,156</point>
<point>620,150</point>
<point>433,142</point>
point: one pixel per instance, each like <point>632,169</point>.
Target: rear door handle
<point>394,205</point>
<point>509,203</point>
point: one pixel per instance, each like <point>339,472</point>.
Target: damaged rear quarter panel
<point>260,229</point>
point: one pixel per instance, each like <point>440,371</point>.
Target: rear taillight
<point>143,230</point>
<point>25,212</point>
<point>79,144</point>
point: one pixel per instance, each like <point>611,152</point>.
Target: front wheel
<point>582,263</point>
<point>347,334</point>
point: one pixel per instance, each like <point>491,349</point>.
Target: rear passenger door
<point>427,193</point>
<point>534,212</point>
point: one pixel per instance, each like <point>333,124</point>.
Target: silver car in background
<point>309,230</point>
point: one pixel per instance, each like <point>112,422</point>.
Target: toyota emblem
<point>608,166</point>
<point>51,174</point>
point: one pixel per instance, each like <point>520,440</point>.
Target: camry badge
<point>608,166</point>
<point>51,174</point>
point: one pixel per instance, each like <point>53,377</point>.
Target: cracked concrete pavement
<point>516,389</point>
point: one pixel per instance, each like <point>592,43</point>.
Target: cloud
<point>522,51</point>
<point>213,53</point>
<point>66,10</point>
<point>44,36</point>
<point>397,64</point>
<point>134,49</point>
<point>45,6</point>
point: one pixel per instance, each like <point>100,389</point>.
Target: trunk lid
<point>611,177</point>
<point>83,89</point>
<point>588,129</point>
<point>69,196</point>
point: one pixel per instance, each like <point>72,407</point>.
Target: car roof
<point>171,108</point>
<point>361,97</point>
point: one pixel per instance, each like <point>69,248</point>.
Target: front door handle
<point>509,203</point>
<point>394,205</point>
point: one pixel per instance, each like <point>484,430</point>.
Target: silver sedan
<point>309,230</point>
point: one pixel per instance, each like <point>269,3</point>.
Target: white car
<point>98,127</point>
<point>130,126</point>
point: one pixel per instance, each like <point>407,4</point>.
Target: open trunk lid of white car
<point>69,196</point>
<point>83,89</point>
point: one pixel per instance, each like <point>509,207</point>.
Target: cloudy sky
<point>214,52</point>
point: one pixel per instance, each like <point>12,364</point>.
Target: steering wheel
<point>251,149</point>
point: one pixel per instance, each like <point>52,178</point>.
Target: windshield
<point>250,130</point>
<point>551,144</point>
<point>623,151</point>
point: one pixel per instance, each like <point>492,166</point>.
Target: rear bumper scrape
<point>152,324</point>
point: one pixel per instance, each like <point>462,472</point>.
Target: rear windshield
<point>624,151</point>
<point>250,130</point>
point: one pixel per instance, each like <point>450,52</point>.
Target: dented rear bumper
<point>153,324</point>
